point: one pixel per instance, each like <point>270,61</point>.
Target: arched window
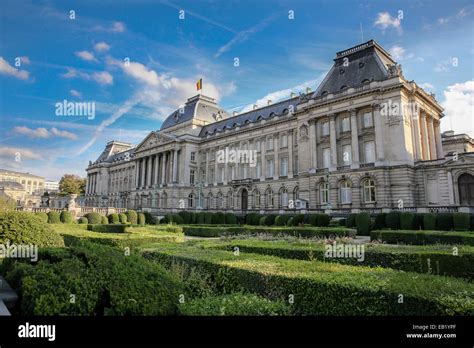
<point>466,189</point>
<point>368,194</point>
<point>157,200</point>
<point>269,198</point>
<point>345,192</point>
<point>284,198</point>
<point>296,193</point>
<point>256,199</point>
<point>164,200</point>
<point>230,200</point>
<point>210,201</point>
<point>324,192</point>
<point>220,201</point>
<point>191,200</point>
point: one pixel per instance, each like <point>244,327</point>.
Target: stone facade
<point>24,188</point>
<point>366,139</point>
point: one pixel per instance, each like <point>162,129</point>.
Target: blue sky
<point>82,60</point>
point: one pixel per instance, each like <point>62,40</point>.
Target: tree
<point>71,184</point>
<point>6,203</point>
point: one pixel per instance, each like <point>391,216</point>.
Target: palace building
<point>367,139</point>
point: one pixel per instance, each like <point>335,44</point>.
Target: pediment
<point>154,139</point>
<point>461,158</point>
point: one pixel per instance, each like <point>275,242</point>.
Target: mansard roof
<point>355,67</point>
<point>115,151</point>
<point>264,113</point>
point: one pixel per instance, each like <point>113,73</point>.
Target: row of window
<point>345,124</point>
<point>345,192</point>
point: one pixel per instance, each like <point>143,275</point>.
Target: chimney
<point>269,102</point>
<point>292,95</point>
<point>308,89</point>
<point>234,113</point>
<point>255,106</point>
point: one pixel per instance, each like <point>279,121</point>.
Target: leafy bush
<point>290,221</point>
<point>351,221</point>
<point>407,221</point>
<point>363,224</point>
<point>172,219</point>
<point>107,228</point>
<point>281,220</point>
<point>444,221</point>
<point>114,218</point>
<point>324,220</point>
<point>104,280</point>
<point>82,220</point>
<point>270,220</point>
<point>380,221</point>
<point>472,222</point>
<point>418,221</point>
<point>132,217</point>
<point>186,216</point>
<point>122,218</point>
<point>429,221</point>
<point>423,237</point>
<point>230,219</point>
<point>54,217</point>
<point>208,218</point>
<point>42,215</point>
<point>150,220</point>
<point>141,219</point>
<point>461,221</point>
<point>298,219</point>
<point>27,228</point>
<point>94,218</point>
<point>252,219</point>
<point>218,218</point>
<point>263,220</point>
<point>392,220</point>
<point>66,217</point>
<point>104,220</point>
<point>342,222</point>
<point>234,304</point>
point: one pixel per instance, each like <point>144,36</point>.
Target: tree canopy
<point>71,184</point>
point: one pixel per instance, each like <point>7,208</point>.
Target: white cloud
<point>86,55</point>
<point>7,69</point>
<point>101,77</point>
<point>445,65</point>
<point>459,108</point>
<point>427,86</point>
<point>75,93</point>
<point>43,133</point>
<point>397,52</point>
<point>282,94</point>
<point>385,20</point>
<point>13,152</point>
<point>463,12</point>
<point>137,70</point>
<point>116,27</point>
<point>101,47</point>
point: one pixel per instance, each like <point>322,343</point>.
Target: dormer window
<point>365,81</point>
<point>324,93</point>
<point>343,88</point>
<point>361,65</point>
<point>341,71</point>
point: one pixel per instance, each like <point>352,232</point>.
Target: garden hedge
<point>132,217</point>
<point>363,224</point>
<point>444,221</point>
<point>429,221</point>
<point>392,220</point>
<point>93,218</point>
<point>407,221</point>
<point>113,218</point>
<point>321,288</point>
<point>423,237</point>
<point>141,219</point>
<point>104,220</point>
<point>42,215</point>
<point>230,219</point>
<point>172,219</point>
<point>122,218</point>
<point>54,217</point>
<point>26,228</point>
<point>82,220</point>
<point>252,219</point>
<point>103,280</point>
<point>66,217</point>
<point>461,221</point>
<point>107,228</point>
<point>380,221</point>
<point>351,221</point>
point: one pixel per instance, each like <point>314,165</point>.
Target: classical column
<point>333,140</point>
<point>137,173</point>
<point>148,170</point>
<point>263,151</point>
<point>418,155</point>
<point>313,141</point>
<point>379,133</point>
<point>290,153</point>
<point>157,169</point>
<point>143,173</point>
<point>431,137</point>
<point>354,140</point>
<point>206,168</point>
<point>175,165</point>
<point>424,136</point>
<point>439,141</point>
<point>216,167</point>
<point>163,168</point>
<point>276,147</point>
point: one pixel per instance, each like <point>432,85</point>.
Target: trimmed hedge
<point>107,228</point>
<point>141,219</point>
<point>26,228</point>
<point>132,216</point>
<point>234,304</point>
<point>281,220</point>
<point>230,219</point>
<point>407,221</point>
<point>298,220</point>
<point>304,232</point>
<point>429,259</point>
<point>150,220</point>
<point>42,215</point>
<point>93,218</point>
<point>103,280</point>
<point>113,218</point>
<point>380,221</point>
<point>363,224</point>
<point>82,220</point>
<point>122,218</point>
<point>66,217</point>
<point>418,221</point>
<point>351,221</point>
<point>392,220</point>
<point>429,221</point>
<point>54,217</point>
<point>252,219</point>
<point>320,288</point>
<point>104,221</point>
<point>186,216</point>
<point>423,237</point>
<point>444,221</point>
<point>218,218</point>
<point>461,221</point>
<point>172,219</point>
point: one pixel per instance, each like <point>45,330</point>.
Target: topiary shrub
<point>104,220</point>
<point>461,221</point>
<point>218,218</point>
<point>351,220</point>
<point>173,219</point>
<point>208,218</point>
<point>281,220</point>
<point>122,218</point>
<point>54,217</point>
<point>342,222</point>
<point>42,215</point>
<point>263,220</point>
<point>82,220</point>
<point>324,220</point>
<point>407,220</point>
<point>149,219</point>
<point>418,222</point>
<point>380,221</point>
<point>363,224</point>
<point>298,219</point>
<point>250,218</point>
<point>270,220</point>
<point>26,228</point>
<point>66,217</point>
<point>113,218</point>
<point>186,216</point>
<point>94,218</point>
<point>444,221</point>
<point>392,220</point>
<point>132,217</point>
<point>429,221</point>
<point>472,222</point>
<point>141,219</point>
<point>200,218</point>
<point>230,219</point>
<point>290,221</point>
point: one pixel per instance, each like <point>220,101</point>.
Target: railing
<point>445,209</point>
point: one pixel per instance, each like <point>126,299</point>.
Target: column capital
<point>353,111</point>
<point>376,106</point>
<point>332,116</point>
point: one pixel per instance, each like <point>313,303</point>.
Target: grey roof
<point>180,115</point>
<point>11,185</point>
<point>364,63</point>
<point>266,112</point>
